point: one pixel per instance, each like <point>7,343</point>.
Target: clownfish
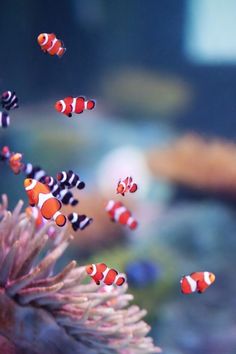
<point>34,172</point>
<point>5,153</point>
<point>4,120</point>
<point>65,196</point>
<point>15,163</point>
<point>119,213</point>
<point>9,100</point>
<point>127,185</point>
<point>79,222</point>
<point>39,195</point>
<point>53,185</point>
<point>69,180</point>
<point>71,105</point>
<point>196,282</point>
<point>100,273</point>
<point>51,45</point>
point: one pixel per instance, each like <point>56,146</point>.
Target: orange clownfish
<point>71,105</point>
<point>39,195</point>
<point>15,162</point>
<point>127,185</point>
<point>50,44</point>
<point>197,281</point>
<point>119,213</point>
<point>100,273</point>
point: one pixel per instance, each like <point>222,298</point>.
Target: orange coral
<point>198,163</point>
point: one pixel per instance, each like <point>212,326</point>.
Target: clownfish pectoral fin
<point>33,199</point>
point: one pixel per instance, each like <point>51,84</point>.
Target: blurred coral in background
<point>204,164</point>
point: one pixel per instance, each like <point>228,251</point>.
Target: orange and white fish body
<point>76,105</point>
<point>196,282</point>
<point>127,185</point>
<point>50,44</point>
<point>100,273</point>
<point>15,162</point>
<point>39,195</point>
<point>119,213</point>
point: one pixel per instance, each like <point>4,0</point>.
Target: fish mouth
<point>27,182</point>
<point>40,38</point>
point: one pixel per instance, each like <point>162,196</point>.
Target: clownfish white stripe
<point>118,212</point>
<point>62,193</point>
<point>56,215</point>
<point>130,220</point>
<point>63,176</point>
<point>53,43</point>
<point>192,283</point>
<point>9,97</point>
<point>110,205</point>
<point>94,270</point>
<point>71,200</point>
<point>71,178</point>
<point>29,168</point>
<point>207,278</point>
<point>84,222</point>
<point>46,39</point>
<point>38,175</point>
<point>73,104</point>
<point>63,105</point>
<point>31,186</point>
<point>105,272</point>
<point>74,218</point>
<point>85,104</point>
<point>43,198</point>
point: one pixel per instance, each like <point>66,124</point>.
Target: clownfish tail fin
<point>60,219</point>
<point>90,104</point>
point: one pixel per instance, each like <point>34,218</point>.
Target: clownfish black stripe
<point>70,179</point>
<point>34,172</point>
<point>79,222</point>
<point>4,120</point>
<point>66,197</point>
<point>9,100</point>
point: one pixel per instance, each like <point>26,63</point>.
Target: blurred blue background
<point>158,70</point>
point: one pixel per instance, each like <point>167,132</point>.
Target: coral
<point>208,165</point>
<point>43,312</point>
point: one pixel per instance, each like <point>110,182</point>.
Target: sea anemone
<point>42,312</point>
